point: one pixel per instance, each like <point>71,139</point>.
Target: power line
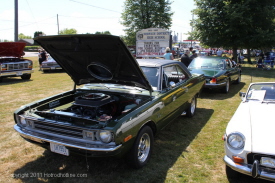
<point>29,23</point>
<point>94,6</point>
<point>32,14</point>
<point>88,17</point>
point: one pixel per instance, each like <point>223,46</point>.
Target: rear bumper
<point>210,85</point>
<point>15,73</point>
<point>254,170</point>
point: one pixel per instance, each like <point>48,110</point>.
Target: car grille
<point>58,128</point>
<point>17,66</point>
<point>251,157</point>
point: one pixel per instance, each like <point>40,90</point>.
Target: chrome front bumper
<point>16,73</point>
<point>42,138</point>
<point>253,170</point>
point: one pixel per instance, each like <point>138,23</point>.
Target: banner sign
<point>152,42</point>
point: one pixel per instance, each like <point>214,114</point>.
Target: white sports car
<point>249,137</point>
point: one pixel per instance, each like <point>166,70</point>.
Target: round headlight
<point>236,140</point>
<point>105,136</point>
<point>23,121</point>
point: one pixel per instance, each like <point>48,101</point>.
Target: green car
<point>219,72</point>
<point>118,103</point>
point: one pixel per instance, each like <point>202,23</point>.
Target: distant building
<point>29,42</point>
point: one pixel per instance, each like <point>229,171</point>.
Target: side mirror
<point>242,95</point>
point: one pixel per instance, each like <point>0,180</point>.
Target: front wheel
<point>141,151</point>
<point>26,76</point>
<point>192,107</point>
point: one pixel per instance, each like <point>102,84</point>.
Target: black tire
<point>192,107</point>
<point>226,87</point>
<point>26,76</point>
<point>141,151</point>
<point>238,80</point>
<point>1,79</point>
<point>231,174</point>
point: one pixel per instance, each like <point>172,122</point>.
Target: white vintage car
<point>249,138</point>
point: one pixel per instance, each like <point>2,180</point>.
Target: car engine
<point>91,106</point>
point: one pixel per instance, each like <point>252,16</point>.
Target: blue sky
<point>86,16</point>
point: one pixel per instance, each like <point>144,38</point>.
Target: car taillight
<point>213,80</point>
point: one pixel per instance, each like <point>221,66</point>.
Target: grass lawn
<point>188,150</point>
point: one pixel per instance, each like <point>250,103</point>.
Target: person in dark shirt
<point>185,59</point>
<point>194,55</point>
<point>43,55</point>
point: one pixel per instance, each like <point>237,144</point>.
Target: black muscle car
<point>118,103</point>
<point>219,71</point>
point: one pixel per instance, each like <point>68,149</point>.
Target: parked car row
<point>122,103</point>
<point>12,63</point>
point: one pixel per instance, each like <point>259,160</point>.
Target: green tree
<point>68,31</point>
<point>36,34</point>
<point>22,36</point>
<point>105,32</point>
<point>5,40</point>
<point>143,14</point>
<point>235,23</point>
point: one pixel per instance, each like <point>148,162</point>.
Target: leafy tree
<point>235,23</point>
<point>68,31</point>
<point>36,34</point>
<point>5,40</point>
<point>22,36</point>
<point>105,32</point>
<point>143,14</point>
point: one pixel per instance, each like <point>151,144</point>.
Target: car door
<point>232,72</point>
<point>175,92</point>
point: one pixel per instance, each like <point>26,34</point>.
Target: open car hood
<point>11,49</point>
<point>89,58</point>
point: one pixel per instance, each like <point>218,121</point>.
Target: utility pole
<point>57,25</point>
<point>15,20</point>
<point>192,28</point>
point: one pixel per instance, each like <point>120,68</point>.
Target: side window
<point>173,73</point>
<point>228,64</point>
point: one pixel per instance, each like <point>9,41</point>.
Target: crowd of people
<point>187,57</point>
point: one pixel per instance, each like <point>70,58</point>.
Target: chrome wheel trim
<point>144,147</point>
<point>193,106</point>
<point>239,79</point>
<point>227,86</point>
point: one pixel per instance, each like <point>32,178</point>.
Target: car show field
<point>187,150</point>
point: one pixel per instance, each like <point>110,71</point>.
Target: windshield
<point>263,91</point>
<point>152,74</point>
<point>207,63</point>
